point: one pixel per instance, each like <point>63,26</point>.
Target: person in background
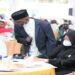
<point>4,30</point>
<point>63,29</point>
<point>63,57</point>
<point>55,28</point>
<point>36,35</point>
<point>3,48</point>
<point>71,25</point>
<point>5,35</point>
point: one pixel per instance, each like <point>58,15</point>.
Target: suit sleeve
<point>21,36</point>
<point>52,57</point>
<point>50,41</point>
<point>55,52</point>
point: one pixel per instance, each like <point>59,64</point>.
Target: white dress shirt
<point>30,29</point>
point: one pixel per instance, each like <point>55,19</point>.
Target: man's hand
<point>41,59</point>
<point>29,39</point>
<point>72,73</point>
<point>35,59</point>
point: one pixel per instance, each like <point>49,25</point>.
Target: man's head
<point>20,17</point>
<point>65,26</point>
<point>2,24</point>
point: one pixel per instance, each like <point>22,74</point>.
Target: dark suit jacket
<point>44,36</point>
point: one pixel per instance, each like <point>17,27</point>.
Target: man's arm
<point>21,36</point>
<point>50,41</point>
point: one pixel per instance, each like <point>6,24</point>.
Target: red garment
<point>3,30</point>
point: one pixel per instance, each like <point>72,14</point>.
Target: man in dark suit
<point>36,35</point>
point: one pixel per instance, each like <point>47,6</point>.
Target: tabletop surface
<point>15,65</point>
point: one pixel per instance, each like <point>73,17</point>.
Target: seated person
<point>5,33</point>
<point>4,30</point>
<point>64,28</point>
<point>63,57</point>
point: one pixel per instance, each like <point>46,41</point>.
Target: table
<point>42,72</point>
<point>32,71</point>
